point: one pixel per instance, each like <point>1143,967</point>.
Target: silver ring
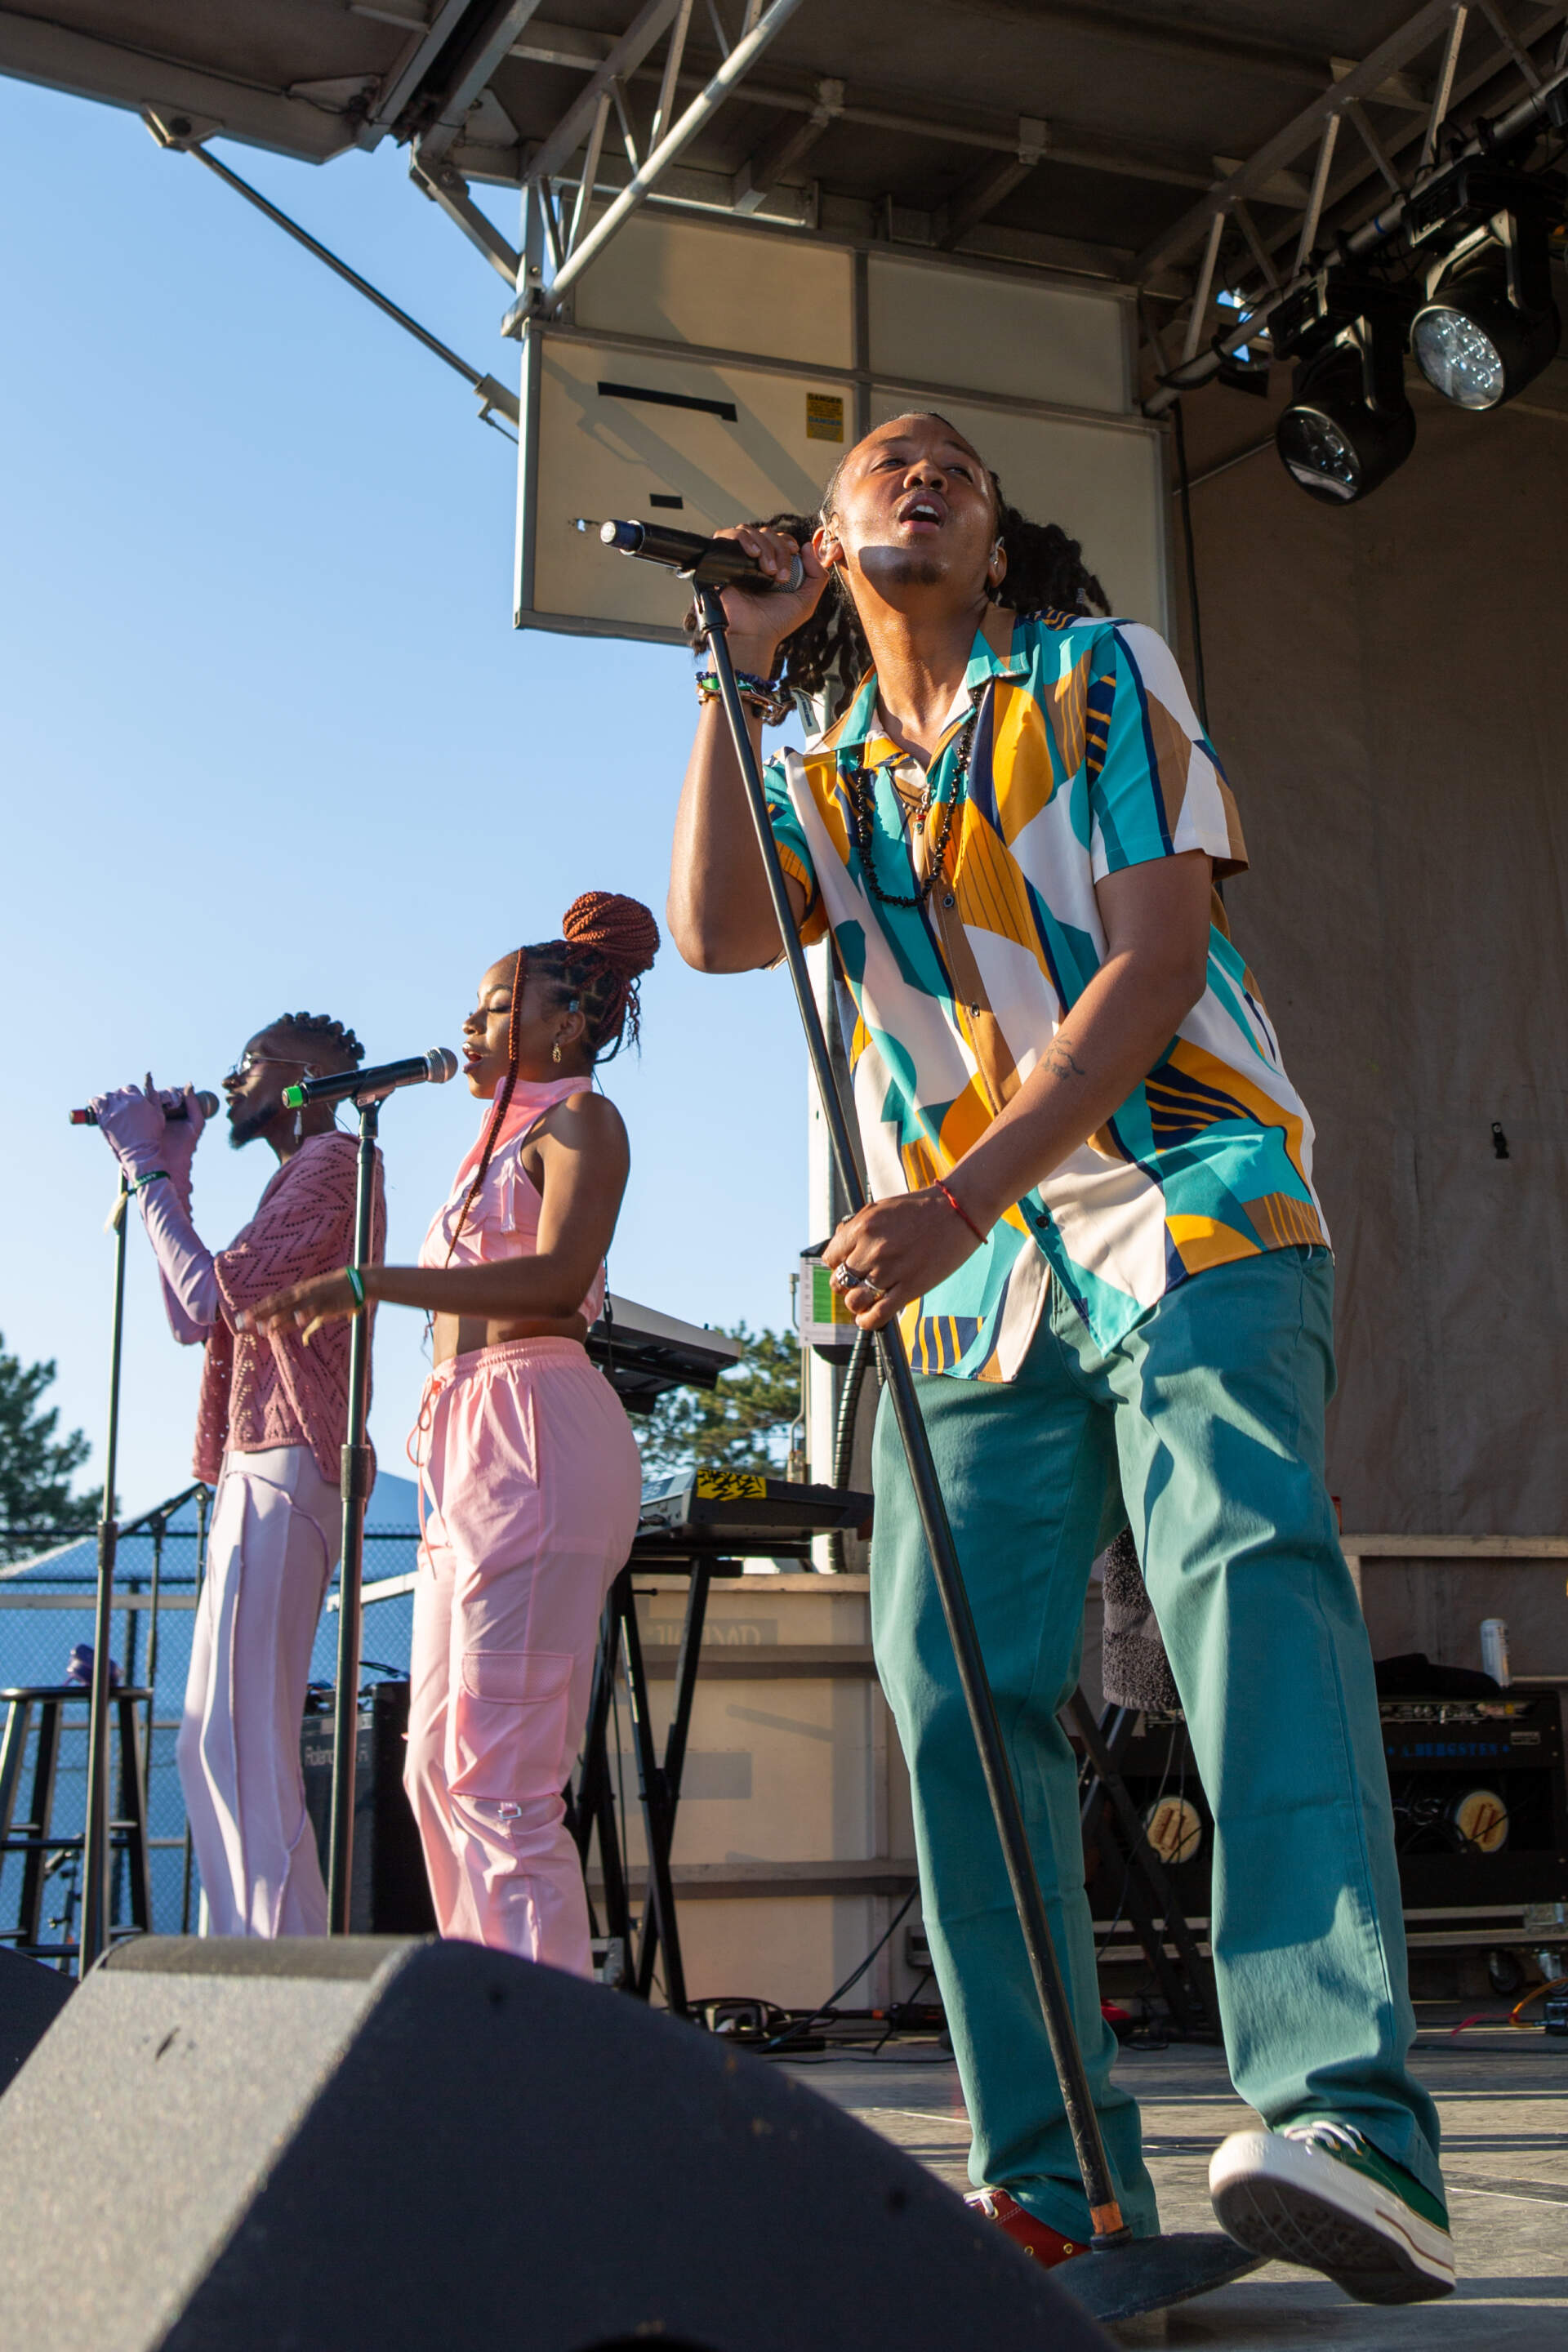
<point>853,1281</point>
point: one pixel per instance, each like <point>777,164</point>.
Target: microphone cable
<point>820,2016</point>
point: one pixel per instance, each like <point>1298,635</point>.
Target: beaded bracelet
<point>959,1210</point>
<point>151,1177</point>
<point>765,694</point>
<point>356,1284</point>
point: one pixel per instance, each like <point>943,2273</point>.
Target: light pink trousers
<point>275,1535</point>
<point>531,1475</point>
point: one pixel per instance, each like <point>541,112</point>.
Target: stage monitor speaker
<point>243,2147</point>
<point>31,1997</point>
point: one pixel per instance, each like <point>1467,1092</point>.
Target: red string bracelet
<point>960,1211</point>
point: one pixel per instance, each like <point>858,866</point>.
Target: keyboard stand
<point>699,1525</point>
<point>592,1808</point>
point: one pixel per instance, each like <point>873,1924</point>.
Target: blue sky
<point>269,741</point>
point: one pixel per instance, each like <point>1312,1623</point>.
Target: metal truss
<point>596,155</point>
<point>1385,78</point>
<point>573,243</point>
<point>1475,47</point>
<point>1370,128</point>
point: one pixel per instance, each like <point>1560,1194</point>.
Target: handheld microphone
<point>711,562</point>
<point>173,1102</point>
<point>367,1086</point>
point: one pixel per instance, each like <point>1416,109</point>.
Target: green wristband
<point>356,1285</point>
<point>151,1177</point>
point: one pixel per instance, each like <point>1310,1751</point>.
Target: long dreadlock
<point>827,656</point>
<point>607,943</point>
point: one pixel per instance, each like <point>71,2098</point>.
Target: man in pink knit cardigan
<point>269,1429</point>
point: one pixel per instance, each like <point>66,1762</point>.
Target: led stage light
<point>1488,325</point>
<point>1473,340</point>
<point>1348,425</point>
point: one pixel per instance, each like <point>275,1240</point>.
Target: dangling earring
<point>300,1112</point>
<point>555,1051</point>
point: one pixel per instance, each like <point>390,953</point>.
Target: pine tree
<point>36,1465</point>
<point>742,1424</point>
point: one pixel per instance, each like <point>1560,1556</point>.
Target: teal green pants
<point>1209,1415</point>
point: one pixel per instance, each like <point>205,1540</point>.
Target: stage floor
<point>1503,2097</point>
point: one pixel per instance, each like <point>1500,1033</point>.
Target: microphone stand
<point>355,1486</point>
<point>1150,2273</point>
<point>1088,2145</point>
<point>93,1939</point>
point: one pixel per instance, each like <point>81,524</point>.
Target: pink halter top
<point>504,1219</point>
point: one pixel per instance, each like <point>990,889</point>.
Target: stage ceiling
<point>1083,135</point>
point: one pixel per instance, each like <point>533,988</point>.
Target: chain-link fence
<point>46,1611</point>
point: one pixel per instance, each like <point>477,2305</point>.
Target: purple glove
<point>142,1139</point>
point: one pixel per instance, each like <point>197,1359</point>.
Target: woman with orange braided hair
<point>526,1461</point>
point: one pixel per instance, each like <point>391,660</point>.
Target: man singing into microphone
<point>269,1430</point>
<point>1095,1222</point>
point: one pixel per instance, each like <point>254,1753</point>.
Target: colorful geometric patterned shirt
<point>1087,758</point>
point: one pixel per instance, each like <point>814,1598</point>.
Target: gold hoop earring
<point>555,1051</point>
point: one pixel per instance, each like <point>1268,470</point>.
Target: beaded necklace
<point>863,807</point>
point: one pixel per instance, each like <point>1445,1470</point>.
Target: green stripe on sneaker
<point>1361,2157</point>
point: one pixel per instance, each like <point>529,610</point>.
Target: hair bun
<point>620,931</point>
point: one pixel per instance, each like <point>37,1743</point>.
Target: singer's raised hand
<point>134,1125</point>
<point>306,1306</point>
<point>759,624</point>
<point>721,914</point>
<point>181,1136</point>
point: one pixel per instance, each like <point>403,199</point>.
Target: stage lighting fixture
<point>1489,324</point>
<point>1348,425</point>
<point>1474,340</point>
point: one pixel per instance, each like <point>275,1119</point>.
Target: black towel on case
<point>1134,1669</point>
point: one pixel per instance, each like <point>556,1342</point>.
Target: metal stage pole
<point>355,1486</point>
<point>1150,2273</point>
<point>94,1934</point>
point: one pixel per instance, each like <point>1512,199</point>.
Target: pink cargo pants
<point>531,1473</point>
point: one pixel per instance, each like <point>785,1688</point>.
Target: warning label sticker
<point>825,417</point>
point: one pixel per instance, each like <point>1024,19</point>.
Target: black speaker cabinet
<point>390,1891</point>
<point>244,2146</point>
<point>1481,1811</point>
<point>31,1997</point>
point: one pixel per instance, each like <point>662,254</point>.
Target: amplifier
<point>391,1895</point>
<point>1479,1808</point>
<point>1481,1817</point>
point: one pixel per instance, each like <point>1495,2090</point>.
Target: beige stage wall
<point>1386,691</point>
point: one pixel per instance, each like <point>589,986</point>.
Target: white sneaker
<point>1321,2195</point>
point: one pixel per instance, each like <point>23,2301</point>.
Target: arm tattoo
<point>1063,1063</point>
